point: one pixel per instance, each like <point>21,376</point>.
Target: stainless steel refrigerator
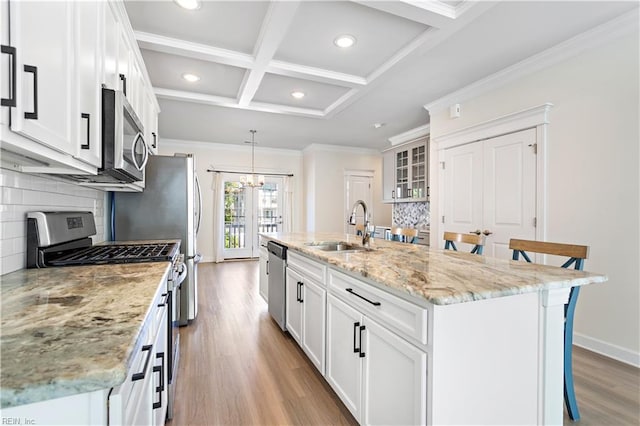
<point>169,207</point>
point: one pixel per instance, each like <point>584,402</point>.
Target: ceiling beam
<point>274,27</point>
<point>315,74</point>
<point>189,49</point>
<point>431,13</point>
<point>221,101</point>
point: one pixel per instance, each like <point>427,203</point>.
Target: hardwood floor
<point>238,368</point>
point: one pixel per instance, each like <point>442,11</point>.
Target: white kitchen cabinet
<point>264,273</point>
<point>405,172</point>
<point>293,304</point>
<point>344,366</point>
<point>64,52</point>
<point>394,378</point>
<point>305,306</point>
<point>381,378</point>
<point>136,400</point>
<point>42,33</point>
<point>88,95</point>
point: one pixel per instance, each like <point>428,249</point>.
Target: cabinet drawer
<point>398,315</point>
<point>308,267</point>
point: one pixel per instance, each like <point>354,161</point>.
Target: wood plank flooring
<point>238,368</point>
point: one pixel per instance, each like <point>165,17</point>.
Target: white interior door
<point>357,187</point>
<point>247,212</point>
<point>509,207</point>
<point>491,186</point>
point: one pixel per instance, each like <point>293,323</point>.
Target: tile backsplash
<point>22,193</point>
<point>411,215</point>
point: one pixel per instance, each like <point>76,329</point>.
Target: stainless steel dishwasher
<point>277,284</point>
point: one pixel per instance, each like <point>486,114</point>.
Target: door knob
<point>486,232</point>
<point>477,232</point>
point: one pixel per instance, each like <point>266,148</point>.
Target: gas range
<point>63,239</point>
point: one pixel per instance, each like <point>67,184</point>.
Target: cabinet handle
<point>160,388</point>
<point>267,267</point>
<point>393,195</point>
<point>88,117</point>
<point>362,354</point>
<point>427,192</point>
<point>355,330</point>
<point>164,302</point>
<point>350,290</point>
<point>11,51</point>
<point>155,138</point>
<point>124,83</point>
<point>34,70</point>
<point>140,376</point>
<point>299,293</point>
<point>301,299</point>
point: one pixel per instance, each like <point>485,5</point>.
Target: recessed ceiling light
<point>191,78</point>
<point>188,4</point>
<point>345,40</point>
<point>297,94</point>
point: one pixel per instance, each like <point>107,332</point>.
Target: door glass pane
<point>268,218</point>
<point>234,215</point>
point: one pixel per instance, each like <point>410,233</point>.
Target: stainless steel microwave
<point>124,150</point>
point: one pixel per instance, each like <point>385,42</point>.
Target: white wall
<point>593,163</point>
<point>22,193</point>
<point>236,158</point>
<point>324,179</point>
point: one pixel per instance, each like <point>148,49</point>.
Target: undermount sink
<point>339,246</point>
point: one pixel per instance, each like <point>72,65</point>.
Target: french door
<point>247,212</point>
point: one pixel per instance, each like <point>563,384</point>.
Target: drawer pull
<point>140,376</point>
<point>160,388</point>
<point>350,290</point>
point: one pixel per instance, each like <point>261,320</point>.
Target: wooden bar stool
<point>451,238</point>
<point>408,235</point>
<point>576,254</point>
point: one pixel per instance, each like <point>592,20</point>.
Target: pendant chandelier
<point>252,180</point>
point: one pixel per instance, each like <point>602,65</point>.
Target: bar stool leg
<point>569,392</point>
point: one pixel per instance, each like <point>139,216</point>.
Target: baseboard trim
<point>607,349</point>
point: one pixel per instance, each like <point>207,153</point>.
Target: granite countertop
<point>442,277</point>
<point>71,330</point>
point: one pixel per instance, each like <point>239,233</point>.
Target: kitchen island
<point>71,334</point>
<point>451,337</point>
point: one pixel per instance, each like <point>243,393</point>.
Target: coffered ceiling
<point>250,57</point>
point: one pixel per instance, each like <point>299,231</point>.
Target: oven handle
<point>182,275</point>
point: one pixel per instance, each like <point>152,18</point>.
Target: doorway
<point>249,211</point>
<point>357,186</point>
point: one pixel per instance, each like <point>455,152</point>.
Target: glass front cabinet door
<point>408,179</point>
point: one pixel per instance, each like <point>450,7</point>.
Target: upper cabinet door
<point>88,24</point>
<point>42,33</point>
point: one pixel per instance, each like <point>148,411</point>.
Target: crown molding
<point>410,135</point>
<point>318,147</point>
<point>229,147</point>
<point>595,37</point>
<point>530,117</point>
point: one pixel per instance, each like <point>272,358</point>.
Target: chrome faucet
<point>366,235</point>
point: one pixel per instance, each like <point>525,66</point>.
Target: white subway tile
<point>12,263</point>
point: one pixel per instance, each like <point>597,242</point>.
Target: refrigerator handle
<point>199,204</point>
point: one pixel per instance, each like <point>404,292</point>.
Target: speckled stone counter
<point>71,330</point>
<point>441,277</point>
